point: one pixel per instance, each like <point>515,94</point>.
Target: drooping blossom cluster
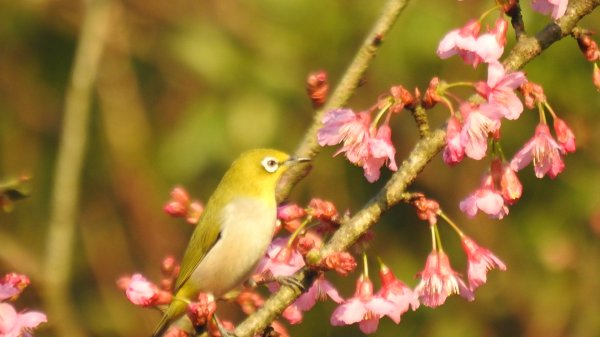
<point>13,323</point>
<point>438,280</point>
<point>477,123</point>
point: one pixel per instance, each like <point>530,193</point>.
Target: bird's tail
<point>175,310</point>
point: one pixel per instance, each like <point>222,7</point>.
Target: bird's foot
<point>290,281</point>
<point>267,278</point>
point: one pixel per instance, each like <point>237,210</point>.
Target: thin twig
<point>71,152</point>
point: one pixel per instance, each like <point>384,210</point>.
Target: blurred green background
<point>184,86</point>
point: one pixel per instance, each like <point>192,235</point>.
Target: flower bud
<point>596,76</point>
<point>317,88</point>
<point>432,97</point>
<point>564,135</point>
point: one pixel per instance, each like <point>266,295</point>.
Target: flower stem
<point>365,265</point>
<point>298,230</point>
<point>541,112</point>
<point>486,13</point>
<point>451,223</point>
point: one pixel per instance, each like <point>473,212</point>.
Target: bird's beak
<point>297,160</point>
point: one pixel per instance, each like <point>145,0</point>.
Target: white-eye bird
<point>232,233</point>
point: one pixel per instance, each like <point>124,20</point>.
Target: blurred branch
<point>344,90</point>
<point>395,189</point>
<point>65,195</point>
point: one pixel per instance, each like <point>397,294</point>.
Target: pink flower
<point>480,260</point>
<point>398,293</point>
<point>13,324</point>
<point>381,150</point>
<point>462,42</point>
<point>140,291</point>
<point>556,7</point>
<point>564,135</point>
<point>363,145</point>
<point>343,125</point>
<point>499,90</point>
<point>479,122</point>
<point>12,285</point>
<point>280,259</point>
<point>363,308</point>
<point>544,151</point>
<point>439,280</point>
<point>454,151</point>
<point>486,199</point>
<point>320,289</point>
<point>490,46</point>
<point>474,49</point>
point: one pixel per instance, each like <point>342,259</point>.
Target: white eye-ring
<point>270,164</point>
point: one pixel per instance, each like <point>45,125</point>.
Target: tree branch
<point>529,47</point>
<point>65,194</point>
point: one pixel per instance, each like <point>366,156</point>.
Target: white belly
<point>247,229</point>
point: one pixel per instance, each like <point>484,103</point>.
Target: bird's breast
<point>247,226</point>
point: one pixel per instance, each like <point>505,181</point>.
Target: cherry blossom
<point>480,261</point>
<point>439,280</point>
<point>381,151</point>
<point>499,90</point>
<point>486,199</point>
<point>343,125</point>
<point>544,151</point>
<point>320,290</point>
<point>556,8</point>
<point>472,47</point>
<point>13,324</point>
<point>479,122</point>
<point>396,292</point>
<point>140,291</point>
<point>454,151</point>
<point>363,308</point>
<point>281,259</point>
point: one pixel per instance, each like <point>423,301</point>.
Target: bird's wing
<point>206,239</point>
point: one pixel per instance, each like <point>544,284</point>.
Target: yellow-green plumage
<point>233,231</point>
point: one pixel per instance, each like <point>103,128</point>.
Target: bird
<point>233,232</point>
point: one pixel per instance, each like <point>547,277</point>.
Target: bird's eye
<point>270,164</point>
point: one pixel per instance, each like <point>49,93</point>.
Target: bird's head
<point>256,172</point>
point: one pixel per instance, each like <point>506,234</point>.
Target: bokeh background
<point>184,86</point>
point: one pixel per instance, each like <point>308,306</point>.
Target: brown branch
<point>395,190</point>
<point>529,47</point>
<point>65,194</point>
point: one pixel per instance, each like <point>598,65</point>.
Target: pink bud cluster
<point>13,323</point>
<point>181,206</point>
